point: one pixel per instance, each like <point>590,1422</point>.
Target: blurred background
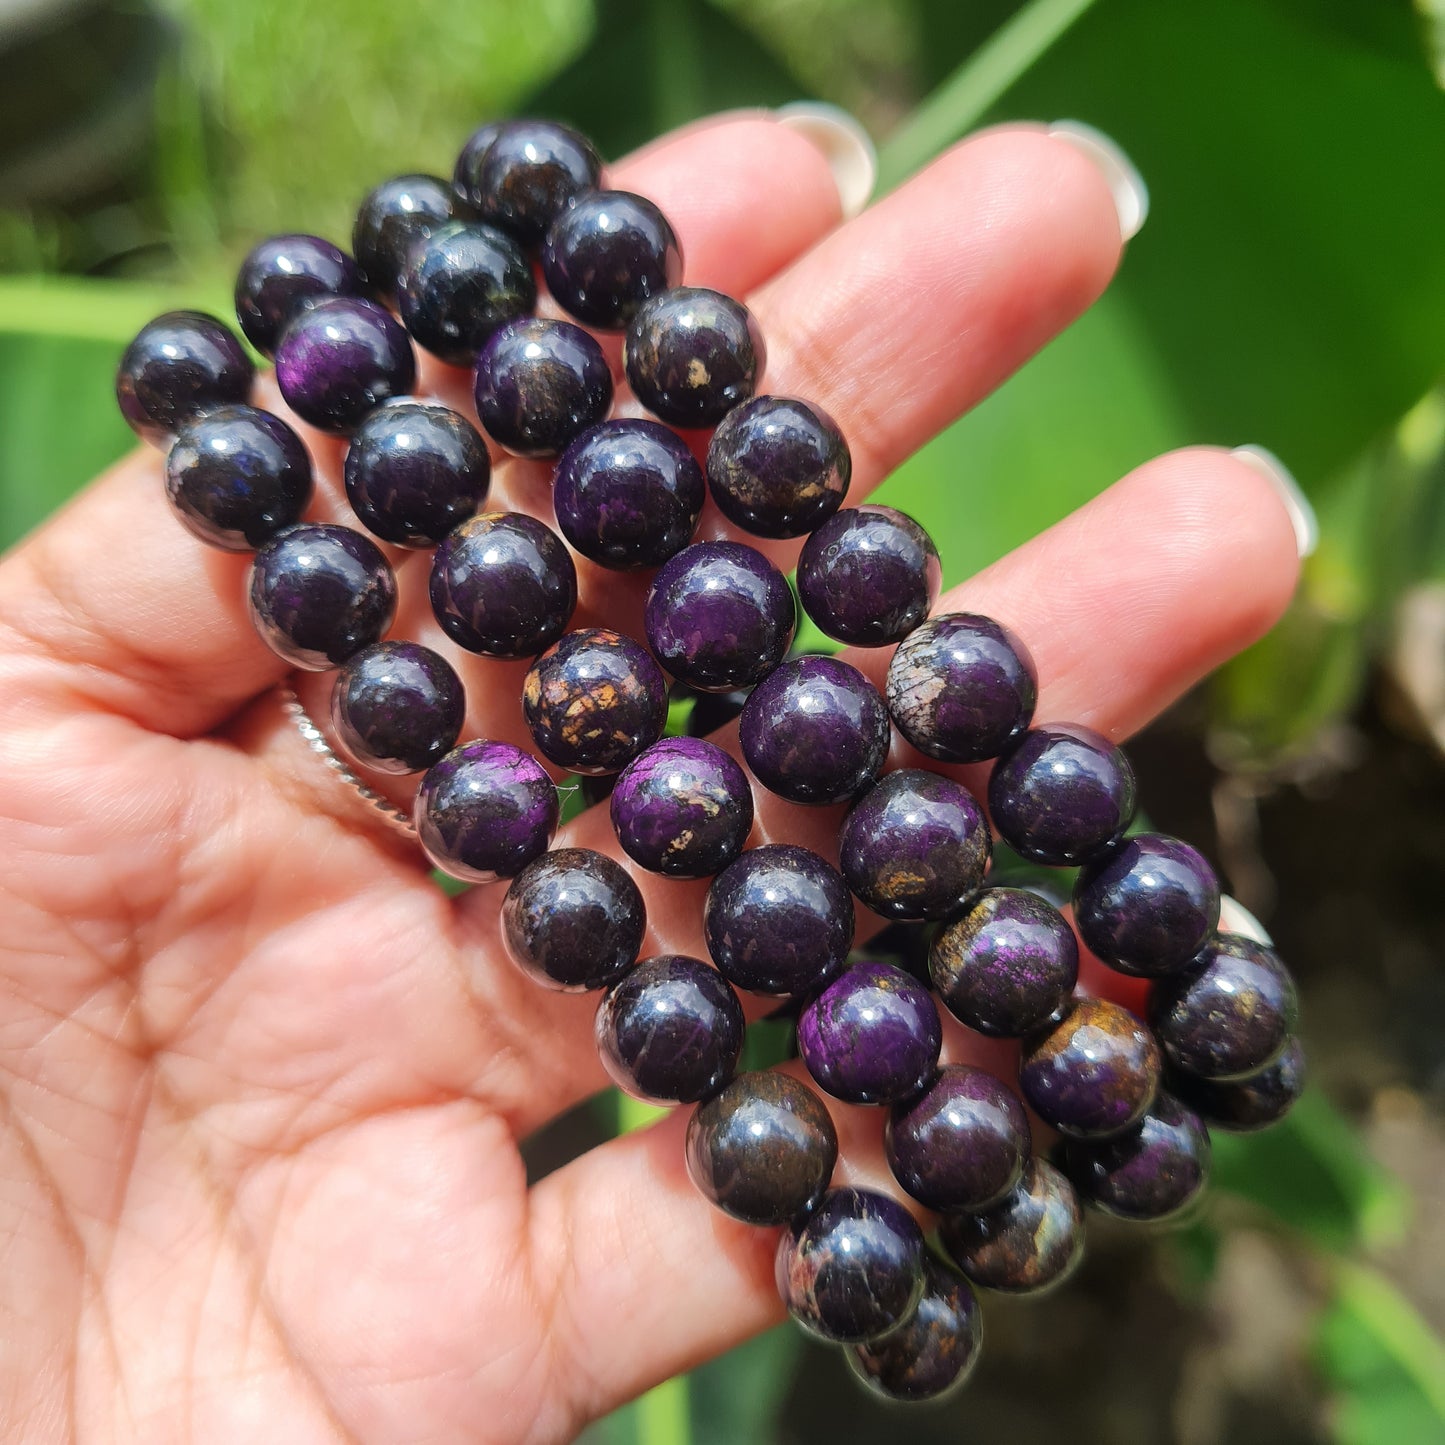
<point>1289,290</point>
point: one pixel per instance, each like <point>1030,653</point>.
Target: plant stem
<point>1397,1326</point>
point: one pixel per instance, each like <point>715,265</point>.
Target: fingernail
<point>1234,917</point>
<point>1301,514</point>
<point>1131,195</point>
<point>847,147</point>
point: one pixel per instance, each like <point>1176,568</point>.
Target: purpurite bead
<point>1247,1104</point>
<point>527,174</point>
<point>398,706</point>
<point>284,274</point>
<point>391,220</point>
<point>177,366</point>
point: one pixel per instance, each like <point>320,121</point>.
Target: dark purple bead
<point>815,730</point>
<point>691,355</point>
<point>540,385</point>
<point>1247,1104</point>
<point>628,494</point>
<point>1061,795</point>
<point>606,254</point>
<point>178,365</point>
<point>914,846</point>
<point>962,1143</point>
<point>485,811</point>
<point>682,808</point>
<point>1092,1074</point>
<point>573,920</point>
<point>869,576</point>
<point>719,615</point>
<point>763,1149</point>
<point>339,359</point>
<point>283,275</point>
<point>779,920</point>
<point>392,219</point>
<point>1007,965</point>
<point>526,177</point>
<point>466,173</point>
<point>319,594</point>
<point>398,707</point>
<point>594,701</point>
<point>414,470</point>
<point>1147,906</point>
<point>778,467</point>
<point>872,1035</point>
<point>670,1030</point>
<point>236,476</point>
<point>503,584</point>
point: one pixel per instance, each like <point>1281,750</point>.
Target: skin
<point>261,1084</point>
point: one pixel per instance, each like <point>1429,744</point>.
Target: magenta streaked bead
<point>281,276</point>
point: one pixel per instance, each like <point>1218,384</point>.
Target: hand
<point>263,1082</point>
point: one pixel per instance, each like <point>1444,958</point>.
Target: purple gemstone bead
<point>528,175</point>
<point>778,920</point>
<point>319,594</point>
<point>393,218</point>
<point>398,707</point>
<point>1148,906</point>
<point>466,173</point>
<point>485,811</point>
<point>670,1030</point>
<point>340,358</point>
<point>1247,1104</point>
<point>719,615</point>
<point>872,1035</point>
<point>682,808</point>
<point>283,275</point>
<point>914,846</point>
<point>179,365</point>
<point>815,730</point>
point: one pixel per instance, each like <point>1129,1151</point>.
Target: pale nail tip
<point>1301,514</point>
<point>848,148</point>
<point>1131,194</point>
<point>1235,918</point>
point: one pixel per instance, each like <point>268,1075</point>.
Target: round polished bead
<point>962,1143</point>
<point>670,1030</point>
<point>1092,1074</point>
<point>872,1035</point>
<point>414,470</point>
<point>527,175</point>
<point>854,1268</point>
<point>779,920</point>
<point>573,920</point>
<point>606,254</point>
<point>778,467</point>
<point>719,615</point>
<point>1031,1241</point>
<point>281,276</point>
<point>1147,906</point>
<point>868,576</point>
<point>466,171</point>
<point>485,811</point>
<point>393,218</point>
<point>1007,965</point>
<point>594,701</point>
<point>398,707</point>
<point>628,494</point>
<point>339,359</point>
<point>319,594</point>
<point>177,366</point>
<point>503,584</point>
<point>540,385</point>
<point>763,1149</point>
<point>914,846</point>
<point>236,476</point>
<point>682,808</point>
<point>815,730</point>
<point>691,355</point>
<point>1248,1104</point>
<point>1062,795</point>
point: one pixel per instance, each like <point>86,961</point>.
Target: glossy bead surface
<point>869,576</point>
<point>778,920</point>
<point>854,1268</point>
<point>872,1035</point>
<point>719,615</point>
<point>178,365</point>
<point>527,175</point>
<point>319,594</point>
<point>606,254</point>
<point>1092,1074</point>
<point>914,846</point>
<point>540,385</point>
<point>670,1030</point>
<point>414,470</point>
<point>594,700</point>
<point>393,218</point>
<point>1153,1172</point>
<point>1248,1104</point>
<point>691,355</point>
<point>628,494</point>
<point>503,584</point>
<point>398,707</point>
<point>573,920</point>
<point>485,811</point>
<point>236,476</point>
<point>682,808</point>
<point>281,276</point>
<point>763,1149</point>
<point>466,172</point>
<point>815,730</point>
<point>1062,795</point>
<point>1147,906</point>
